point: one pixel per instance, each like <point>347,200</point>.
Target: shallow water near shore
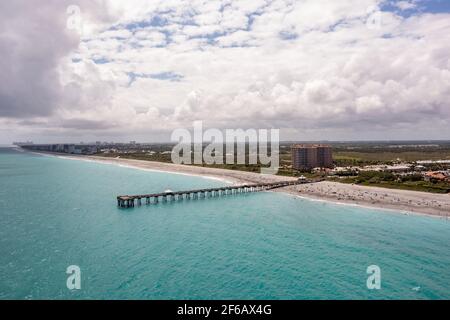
<point>57,212</point>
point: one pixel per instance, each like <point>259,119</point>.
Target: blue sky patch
<point>100,60</point>
<point>421,6</point>
<point>165,76</point>
<point>287,35</point>
<point>169,76</point>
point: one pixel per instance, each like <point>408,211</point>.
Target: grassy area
<point>362,158</point>
<point>139,156</point>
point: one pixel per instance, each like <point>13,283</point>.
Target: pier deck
<point>131,201</point>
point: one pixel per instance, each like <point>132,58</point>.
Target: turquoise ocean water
<point>57,212</point>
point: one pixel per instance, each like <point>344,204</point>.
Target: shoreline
<point>393,210</point>
<point>405,202</point>
<point>401,201</point>
<point>123,165</point>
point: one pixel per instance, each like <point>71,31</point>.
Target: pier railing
<point>132,201</point>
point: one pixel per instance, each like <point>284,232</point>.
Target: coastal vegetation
<point>345,154</point>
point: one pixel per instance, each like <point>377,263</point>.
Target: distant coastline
<point>401,201</point>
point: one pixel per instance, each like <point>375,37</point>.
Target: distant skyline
<point>427,142</point>
<point>135,70</point>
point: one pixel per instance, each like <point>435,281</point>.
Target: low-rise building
<point>437,176</point>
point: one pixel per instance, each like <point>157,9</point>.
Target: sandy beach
<point>400,200</point>
<point>230,176</point>
<point>405,201</point>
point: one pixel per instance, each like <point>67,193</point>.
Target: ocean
<point>57,213</point>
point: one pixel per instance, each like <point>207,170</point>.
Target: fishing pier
<point>137,200</point>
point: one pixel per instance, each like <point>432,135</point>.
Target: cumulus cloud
<point>30,53</point>
<point>309,67</point>
<point>34,39</point>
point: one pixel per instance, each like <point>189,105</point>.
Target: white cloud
<point>307,66</point>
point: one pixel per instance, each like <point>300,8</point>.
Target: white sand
<point>231,176</point>
<point>399,200</point>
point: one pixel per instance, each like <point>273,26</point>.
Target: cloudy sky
<point>84,70</point>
